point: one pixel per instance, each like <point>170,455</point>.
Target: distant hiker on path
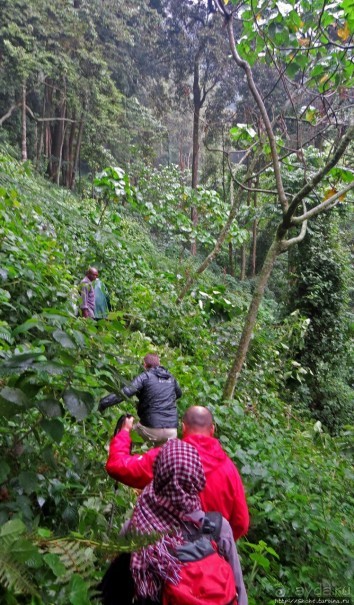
<point>157,391</point>
<point>87,292</point>
<point>223,491</point>
<point>102,302</point>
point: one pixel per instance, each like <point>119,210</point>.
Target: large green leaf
<point>50,407</point>
<point>13,527</point>
<point>19,363</point>
<point>27,325</point>
<point>28,481</point>
<point>13,401</point>
<point>54,428</point>
<point>79,403</point>
<point>62,337</point>
<point>50,367</point>
<point>53,561</point>
<point>78,591</point>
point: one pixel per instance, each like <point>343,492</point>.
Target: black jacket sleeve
<point>135,386</point>
<point>108,401</point>
<point>178,390</point>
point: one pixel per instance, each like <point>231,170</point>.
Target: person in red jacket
<point>224,490</point>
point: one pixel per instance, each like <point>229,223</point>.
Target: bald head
<point>198,420</point>
<point>92,273</point>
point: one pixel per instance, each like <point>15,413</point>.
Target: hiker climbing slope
<point>157,391</point>
<point>223,491</point>
<point>87,293</point>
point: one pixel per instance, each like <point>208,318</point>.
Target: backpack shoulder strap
<point>210,527</point>
<point>212,523</point>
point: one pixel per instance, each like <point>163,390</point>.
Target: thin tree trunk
<point>61,155</point>
<point>77,149</point>
<point>254,248</point>
<point>250,321</point>
<point>35,144</point>
<point>70,154</point>
<point>254,236</point>
<point>195,157</point>
<point>58,137</point>
<point>231,260</point>
<point>24,124</point>
<point>41,133</point>
<point>48,132</point>
<point>243,263</point>
<point>209,259</point>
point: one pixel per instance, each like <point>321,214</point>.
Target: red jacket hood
<point>209,449</point>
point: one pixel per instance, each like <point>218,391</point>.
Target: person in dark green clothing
<point>102,302</point>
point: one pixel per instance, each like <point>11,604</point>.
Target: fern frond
<point>76,560</point>
<point>6,336</point>
<point>127,543</point>
<point>14,575</point>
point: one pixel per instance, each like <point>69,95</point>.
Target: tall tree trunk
<point>254,248</point>
<point>254,236</point>
<point>77,149</point>
<point>197,104</point>
<point>231,260</point>
<point>40,146</point>
<point>250,321</point>
<point>24,124</point>
<point>60,163</point>
<point>69,167</point>
<point>243,263</point>
<point>48,132</point>
<point>58,137</point>
<point>243,271</point>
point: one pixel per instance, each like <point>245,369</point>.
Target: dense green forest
<point>200,155</point>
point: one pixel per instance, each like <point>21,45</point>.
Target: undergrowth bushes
<point>55,366</point>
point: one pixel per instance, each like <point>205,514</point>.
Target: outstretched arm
<point>109,400</point>
<point>135,386</point>
<point>132,470</point>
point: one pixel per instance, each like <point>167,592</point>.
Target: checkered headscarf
<point>162,506</point>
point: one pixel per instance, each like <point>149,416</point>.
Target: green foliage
<point>295,478</point>
<point>112,184</point>
<point>165,201</point>
<point>319,291</point>
<point>41,565</point>
<point>299,36</point>
<point>56,365</point>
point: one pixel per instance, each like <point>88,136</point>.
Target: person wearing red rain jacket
<point>224,491</point>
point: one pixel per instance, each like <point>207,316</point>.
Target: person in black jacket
<point>157,391</point>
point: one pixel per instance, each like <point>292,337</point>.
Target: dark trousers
<point>117,585</point>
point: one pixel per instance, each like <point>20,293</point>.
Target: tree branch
<point>317,178</point>
<point>267,123</point>
<point>285,245</point>
<point>8,113</point>
<point>29,110</point>
<point>329,203</point>
<point>245,188</point>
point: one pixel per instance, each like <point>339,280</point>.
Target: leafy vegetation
<point>204,151</point>
<point>56,503</point>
